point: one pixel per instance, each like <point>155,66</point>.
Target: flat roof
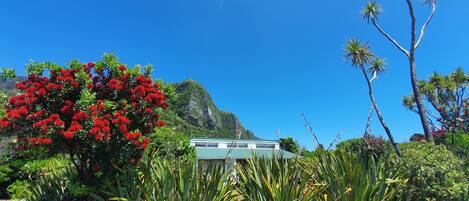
<point>230,140</point>
<point>208,153</point>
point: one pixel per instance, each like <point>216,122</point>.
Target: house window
<point>233,145</point>
<point>212,144</point>
<point>206,144</point>
<point>271,146</point>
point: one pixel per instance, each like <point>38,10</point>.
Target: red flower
<point>90,64</point>
<point>160,123</point>
<point>46,141</point>
<point>99,137</point>
<point>80,116</point>
<point>122,68</point>
<point>90,85</point>
<point>68,134</point>
<point>41,92</point>
<point>148,110</point>
<point>54,116</point>
<point>58,122</point>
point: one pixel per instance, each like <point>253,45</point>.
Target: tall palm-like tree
<point>370,13</point>
<point>361,56</point>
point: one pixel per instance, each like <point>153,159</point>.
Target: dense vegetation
<point>107,131</point>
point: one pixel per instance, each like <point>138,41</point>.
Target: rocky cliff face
<point>195,105</point>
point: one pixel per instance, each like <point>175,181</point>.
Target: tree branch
<point>403,50</point>
<point>412,17</point>
<point>424,27</point>
<point>308,126</point>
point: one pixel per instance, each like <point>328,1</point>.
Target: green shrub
<point>345,175</point>
<point>366,146</point>
<point>275,179</point>
<point>434,172</point>
<point>172,145</point>
<point>48,179</point>
<point>167,180</point>
<point>19,189</point>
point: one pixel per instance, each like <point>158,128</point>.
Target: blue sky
<point>264,60</point>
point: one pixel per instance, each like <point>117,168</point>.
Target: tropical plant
<point>345,175</point>
<point>273,179</point>
<point>447,100</point>
<point>99,114</point>
<point>360,56</point>
<point>434,172</point>
<point>162,179</point>
<point>370,13</point>
<point>49,179</point>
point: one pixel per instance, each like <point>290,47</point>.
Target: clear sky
<point>264,60</point>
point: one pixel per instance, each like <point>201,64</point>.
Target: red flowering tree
<point>99,114</point>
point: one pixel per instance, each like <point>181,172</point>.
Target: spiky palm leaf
<point>358,53</point>
<point>371,11</point>
<point>377,66</point>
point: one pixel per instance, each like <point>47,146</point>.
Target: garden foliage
<point>99,114</point>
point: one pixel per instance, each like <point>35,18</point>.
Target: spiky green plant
<point>272,179</point>
<point>348,176</point>
<point>159,180</point>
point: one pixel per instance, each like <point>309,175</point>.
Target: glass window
<point>212,144</point>
<point>232,145</point>
<point>265,146</point>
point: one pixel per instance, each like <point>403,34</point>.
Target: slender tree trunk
<point>413,76</point>
<point>418,100</point>
<point>378,113</point>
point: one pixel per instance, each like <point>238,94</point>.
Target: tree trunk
<point>418,100</point>
<point>413,75</point>
<point>378,113</point>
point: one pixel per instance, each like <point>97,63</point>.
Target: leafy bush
<point>20,189</point>
<point>345,175</point>
<point>366,146</point>
<point>434,172</point>
<point>162,179</point>
<point>49,179</point>
<point>275,179</point>
<point>100,114</point>
<point>172,145</point>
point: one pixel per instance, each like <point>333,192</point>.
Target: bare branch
<point>403,50</point>
<point>308,126</point>
<point>375,75</point>
<point>424,27</point>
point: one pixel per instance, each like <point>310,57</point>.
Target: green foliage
<point>48,179</point>
<point>274,179</point>
<point>344,175</point>
<point>447,98</point>
<point>172,145</point>
<point>353,145</point>
<point>369,145</point>
<point>160,179</point>
<point>5,179</point>
<point>19,189</point>
<point>434,172</point>
<point>289,144</point>
<point>7,73</point>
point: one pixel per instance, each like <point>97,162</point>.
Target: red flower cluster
<point>80,116</point>
<point>439,133</point>
<point>39,141</point>
<point>115,84</point>
<point>100,128</point>
<point>45,124</point>
<point>120,115</point>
